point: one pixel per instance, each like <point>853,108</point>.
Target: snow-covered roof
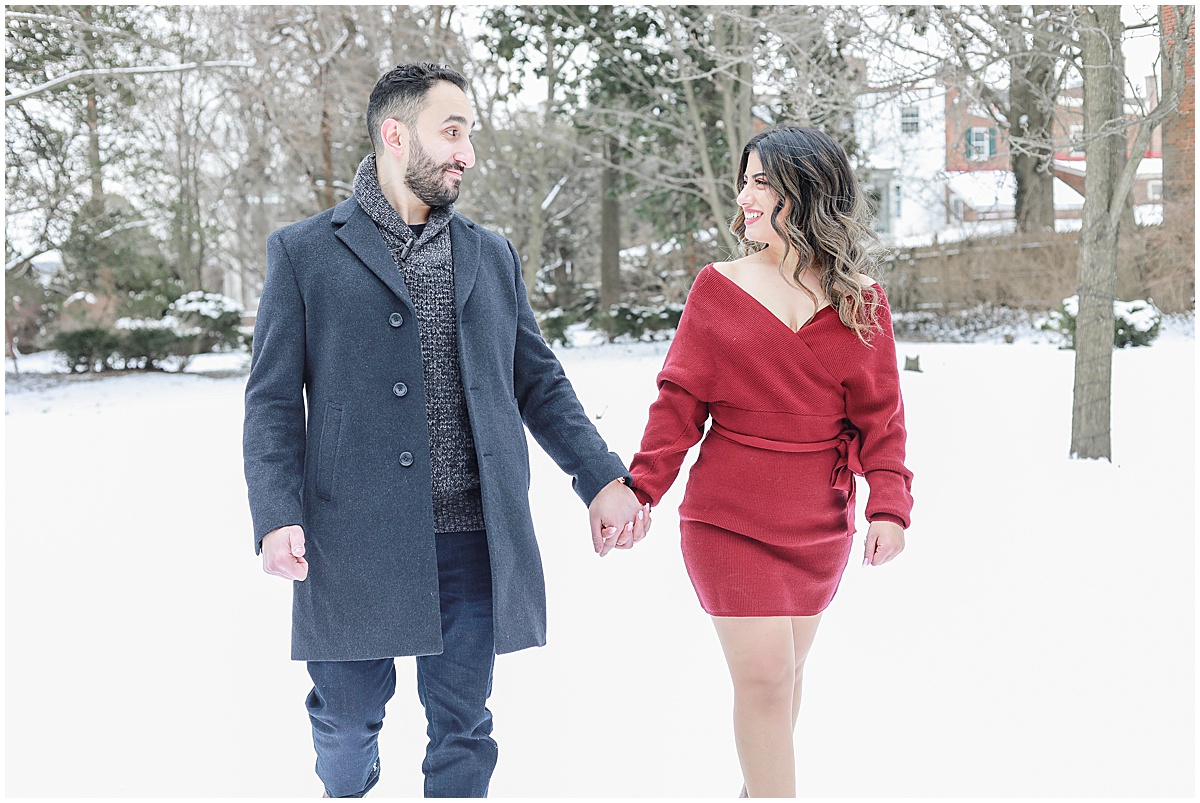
<point>985,190</point>
<point>1149,167</point>
<point>996,191</point>
<point>970,229</point>
<point>1148,214</point>
<point>1144,214</point>
<point>1065,196</point>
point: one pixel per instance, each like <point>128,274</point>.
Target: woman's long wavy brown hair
<point>827,224</point>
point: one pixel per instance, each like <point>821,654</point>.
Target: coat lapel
<point>355,228</point>
<point>465,245</point>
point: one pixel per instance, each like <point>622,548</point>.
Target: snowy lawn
<point>1037,638</point>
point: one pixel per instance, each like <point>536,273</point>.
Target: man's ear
<point>395,137</point>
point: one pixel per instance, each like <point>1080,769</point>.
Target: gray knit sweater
<point>428,273</point>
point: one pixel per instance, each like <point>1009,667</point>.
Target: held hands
<point>885,540</point>
<point>283,553</point>
<point>617,518</point>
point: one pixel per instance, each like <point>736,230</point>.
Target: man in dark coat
<point>396,364</point>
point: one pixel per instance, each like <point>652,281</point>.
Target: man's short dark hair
<point>401,94</point>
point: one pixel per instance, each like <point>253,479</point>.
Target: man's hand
<point>617,518</point>
<point>885,540</point>
<point>283,553</point>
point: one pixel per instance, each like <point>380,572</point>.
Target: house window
<point>956,209</point>
<point>981,143</point>
<point>1154,190</point>
<point>1075,134</point>
<point>878,206</point>
<point>910,120</point>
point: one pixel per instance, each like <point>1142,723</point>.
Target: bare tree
<point>520,38</point>
<point>1110,178</point>
<point>1014,61</point>
<point>684,108</point>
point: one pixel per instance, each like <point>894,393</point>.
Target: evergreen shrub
<point>639,321</point>
<point>148,347</point>
<point>91,348</point>
<point>622,321</point>
<point>555,322</point>
<point>1135,323</point>
<point>216,318</point>
<point>554,325</point>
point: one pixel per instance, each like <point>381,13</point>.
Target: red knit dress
<point>767,519</point>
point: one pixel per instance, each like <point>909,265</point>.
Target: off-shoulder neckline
<point>712,267</point>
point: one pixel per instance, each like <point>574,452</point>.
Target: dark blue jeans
<point>347,702</point>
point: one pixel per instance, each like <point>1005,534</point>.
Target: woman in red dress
<point>789,351</point>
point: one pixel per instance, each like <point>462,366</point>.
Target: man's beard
<point>427,179</point>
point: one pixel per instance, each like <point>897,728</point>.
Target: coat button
<point>400,389</point>
<point>406,459</point>
<point>396,319</point>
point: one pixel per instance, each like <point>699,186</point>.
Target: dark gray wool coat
<point>336,328</point>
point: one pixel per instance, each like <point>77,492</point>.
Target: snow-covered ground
<point>1037,638</point>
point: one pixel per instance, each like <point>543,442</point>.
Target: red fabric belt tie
<point>847,445</point>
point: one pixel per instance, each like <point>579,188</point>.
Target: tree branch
<point>1184,16</point>
<point>81,25</point>
<point>16,97</point>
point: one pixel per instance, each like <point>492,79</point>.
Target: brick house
<point>975,142</point>
<point>1178,134</point>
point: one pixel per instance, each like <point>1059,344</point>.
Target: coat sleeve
<point>677,417</point>
<point>876,410</point>
<point>274,427</point>
<point>551,410</point>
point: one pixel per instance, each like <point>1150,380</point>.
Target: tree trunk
<point>1104,137</point>
<point>1033,156</point>
<point>1032,99</point>
<point>540,175</point>
<point>92,115</point>
<point>735,38</point>
<point>328,199</point>
<point>718,205</point>
<point>610,227</point>
<point>1178,141</point>
<point>96,166</point>
<point>1131,278</point>
<point>537,235</point>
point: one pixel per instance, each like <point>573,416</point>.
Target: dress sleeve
<point>685,387</point>
<point>676,425</point>
<point>876,410</point>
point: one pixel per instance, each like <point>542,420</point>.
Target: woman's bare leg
<point>761,654</point>
<point>804,631</point>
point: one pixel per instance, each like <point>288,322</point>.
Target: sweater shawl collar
<point>370,197</point>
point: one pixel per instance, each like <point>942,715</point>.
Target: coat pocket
<point>327,450</point>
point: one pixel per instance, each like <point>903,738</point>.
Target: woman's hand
<point>885,540</point>
<point>617,518</point>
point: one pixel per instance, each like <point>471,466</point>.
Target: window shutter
<point>991,142</point>
<point>970,150</point>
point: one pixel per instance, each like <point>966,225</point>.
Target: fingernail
<point>641,515</point>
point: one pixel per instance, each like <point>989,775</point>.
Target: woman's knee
<point>765,677</point>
